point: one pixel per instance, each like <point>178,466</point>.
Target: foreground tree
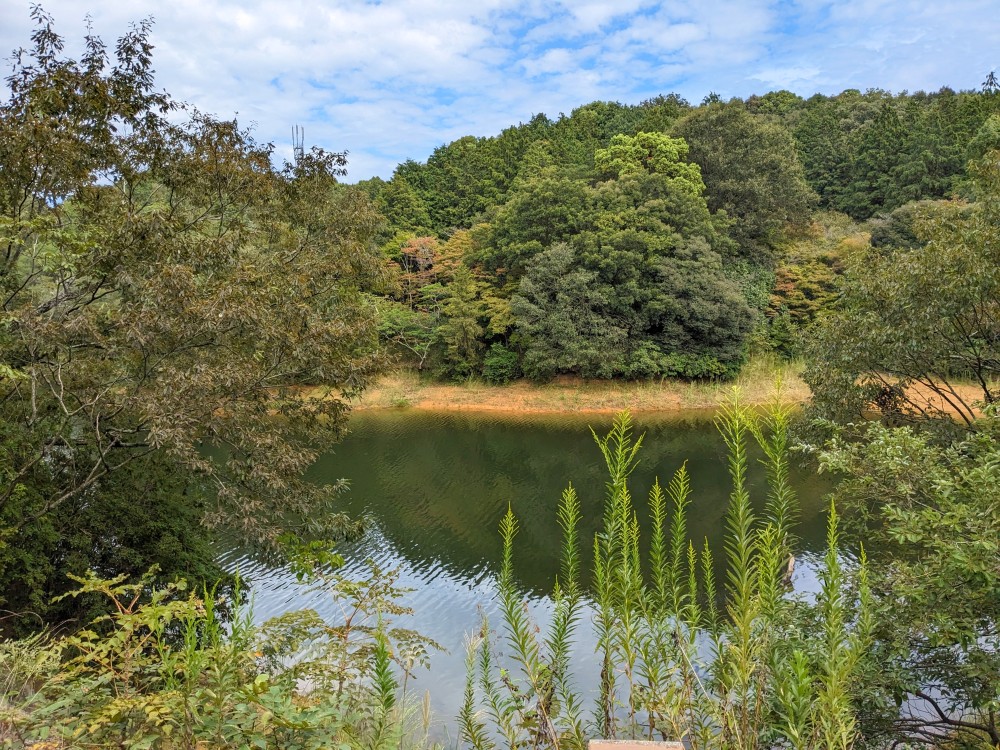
<point>917,329</point>
<point>164,289</point>
<point>915,337</point>
<point>928,514</point>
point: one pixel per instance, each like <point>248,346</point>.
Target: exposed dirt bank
<point>757,384</point>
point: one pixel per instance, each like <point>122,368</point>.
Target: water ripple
<point>437,485</point>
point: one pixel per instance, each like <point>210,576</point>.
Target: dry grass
<point>757,383</point>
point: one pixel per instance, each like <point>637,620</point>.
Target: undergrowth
<point>163,671</point>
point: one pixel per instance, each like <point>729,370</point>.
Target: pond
<point>435,486</point>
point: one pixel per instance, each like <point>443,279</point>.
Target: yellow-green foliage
<point>162,671</point>
<point>806,277</point>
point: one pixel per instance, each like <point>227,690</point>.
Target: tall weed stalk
<point>743,667</point>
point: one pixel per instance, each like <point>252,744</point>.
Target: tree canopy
<point>762,166</point>
<point>166,290</point>
<point>751,171</point>
<point>915,321</point>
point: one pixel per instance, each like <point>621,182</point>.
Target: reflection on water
<point>436,485</point>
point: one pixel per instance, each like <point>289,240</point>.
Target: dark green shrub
<point>500,366</point>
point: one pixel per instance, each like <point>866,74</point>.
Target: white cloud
<point>590,17</point>
<point>786,78</point>
<point>551,61</point>
<point>394,79</point>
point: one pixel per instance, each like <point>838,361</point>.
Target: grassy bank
<point>757,382</point>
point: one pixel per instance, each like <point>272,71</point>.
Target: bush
<point>500,366</point>
<point>161,671</point>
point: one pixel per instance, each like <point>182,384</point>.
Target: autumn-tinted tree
<point>807,277</point>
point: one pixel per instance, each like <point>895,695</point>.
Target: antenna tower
<point>298,143</point>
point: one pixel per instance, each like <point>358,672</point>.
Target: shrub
<point>161,671</point>
<point>500,366</point>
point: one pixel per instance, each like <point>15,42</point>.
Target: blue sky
<point>390,80</point>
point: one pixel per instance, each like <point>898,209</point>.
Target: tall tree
<point>879,152</point>
<point>165,289</point>
<point>541,211</point>
<point>562,316</point>
<point>751,171</point>
<point>642,266</point>
<point>406,210</point>
<point>462,329</point>
<point>649,153</point>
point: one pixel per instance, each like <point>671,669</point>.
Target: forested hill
<point>591,245</point>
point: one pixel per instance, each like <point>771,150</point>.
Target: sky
<point>391,80</point>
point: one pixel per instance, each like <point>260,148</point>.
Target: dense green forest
<point>659,239</point>
<point>184,324</point>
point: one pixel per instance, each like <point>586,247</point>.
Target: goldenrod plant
<point>744,664</point>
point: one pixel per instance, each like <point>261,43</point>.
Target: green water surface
<point>435,485</point>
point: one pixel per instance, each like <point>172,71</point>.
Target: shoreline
<point>758,384</point>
